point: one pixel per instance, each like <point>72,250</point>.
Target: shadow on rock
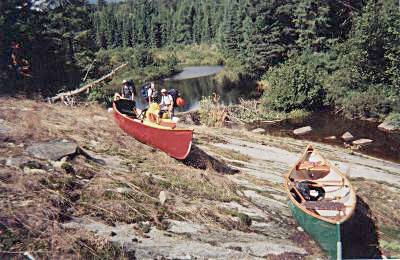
<point>199,159</point>
<point>360,238</point>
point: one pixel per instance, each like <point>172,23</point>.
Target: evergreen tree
<point>184,22</point>
<point>312,24</point>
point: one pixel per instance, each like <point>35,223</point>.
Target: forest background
<point>308,54</point>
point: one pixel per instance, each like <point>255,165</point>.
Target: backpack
<point>174,94</point>
<point>131,86</point>
<point>144,90</point>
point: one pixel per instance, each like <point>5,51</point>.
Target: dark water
<point>326,124</point>
<point>195,82</point>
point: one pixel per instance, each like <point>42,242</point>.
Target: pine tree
<point>184,22</point>
<point>312,24</point>
<point>230,30</point>
<point>273,34</point>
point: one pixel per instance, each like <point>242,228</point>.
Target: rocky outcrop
<point>185,240</point>
<point>363,141</point>
<point>388,126</point>
<point>302,130</point>
<point>347,137</point>
<point>52,150</point>
<point>258,131</point>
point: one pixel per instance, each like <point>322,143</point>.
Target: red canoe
<point>176,142</point>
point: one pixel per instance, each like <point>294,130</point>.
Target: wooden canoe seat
<point>324,205</point>
<point>314,167</point>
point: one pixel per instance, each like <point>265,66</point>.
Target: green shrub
<point>171,62</point>
<point>372,102</point>
<point>102,96</point>
<point>296,84</point>
<point>394,119</point>
<point>211,112</point>
<point>140,57</point>
<point>298,115</point>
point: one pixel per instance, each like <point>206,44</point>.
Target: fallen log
<point>61,96</point>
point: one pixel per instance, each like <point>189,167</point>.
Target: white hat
<point>124,81</point>
<point>163,90</point>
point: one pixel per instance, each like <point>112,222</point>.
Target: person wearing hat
<point>166,104</point>
<point>128,90</point>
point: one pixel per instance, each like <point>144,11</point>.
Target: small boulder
<point>163,197</point>
<point>258,131</point>
<point>302,130</point>
<point>17,162</point>
<point>123,190</point>
<point>388,126</point>
<point>53,150</point>
<point>363,141</point>
<point>28,170</point>
<point>347,137</point>
<point>329,138</point>
<point>300,229</point>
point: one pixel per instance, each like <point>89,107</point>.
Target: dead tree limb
<point>61,96</point>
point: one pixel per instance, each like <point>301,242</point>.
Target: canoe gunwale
<point>302,207</point>
<point>137,123</point>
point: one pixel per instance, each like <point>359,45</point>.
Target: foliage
<point>193,54</point>
<point>366,81</point>
<point>394,119</point>
<point>102,96</point>
<point>140,57</point>
<point>211,112</point>
<point>298,115</point>
<point>248,111</point>
<point>55,42</point>
<point>296,84</point>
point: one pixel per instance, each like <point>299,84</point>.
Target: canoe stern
<point>326,234</point>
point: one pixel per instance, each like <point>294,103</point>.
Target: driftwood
<point>62,95</point>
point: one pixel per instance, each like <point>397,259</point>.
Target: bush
<point>249,111</point>
<point>102,96</point>
<point>298,115</point>
<point>373,102</point>
<point>171,62</point>
<point>394,119</point>
<point>211,112</point>
<point>140,57</point>
<point>296,84</point>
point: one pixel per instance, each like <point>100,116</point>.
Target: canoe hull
<point>326,234</point>
<point>176,143</point>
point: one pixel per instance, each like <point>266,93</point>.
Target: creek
<point>196,82</point>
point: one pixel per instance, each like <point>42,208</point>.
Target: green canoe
<point>321,200</point>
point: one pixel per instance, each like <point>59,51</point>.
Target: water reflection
<point>196,72</point>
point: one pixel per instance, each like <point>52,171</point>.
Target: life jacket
<point>153,110</point>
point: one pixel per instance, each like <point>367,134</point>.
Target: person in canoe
<point>153,113</point>
<point>127,91</point>
<point>166,104</point>
<point>151,93</point>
